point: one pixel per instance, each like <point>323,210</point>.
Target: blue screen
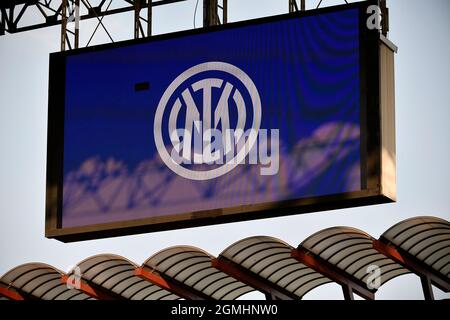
<point>295,83</point>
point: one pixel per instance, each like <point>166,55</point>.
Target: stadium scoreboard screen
<point>262,118</point>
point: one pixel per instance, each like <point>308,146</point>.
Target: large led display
<point>249,120</point>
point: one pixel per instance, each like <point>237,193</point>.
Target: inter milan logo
<point>208,121</point>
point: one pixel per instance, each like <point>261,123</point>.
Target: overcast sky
<point>421,31</point>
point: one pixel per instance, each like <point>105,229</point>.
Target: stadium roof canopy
<point>347,256</point>
<point>37,281</point>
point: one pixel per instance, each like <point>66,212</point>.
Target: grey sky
<point>421,31</point>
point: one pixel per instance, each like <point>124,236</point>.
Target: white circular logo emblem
<point>176,102</point>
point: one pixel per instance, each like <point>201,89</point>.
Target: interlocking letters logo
<point>221,134</point>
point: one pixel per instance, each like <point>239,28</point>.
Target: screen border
<point>370,157</point>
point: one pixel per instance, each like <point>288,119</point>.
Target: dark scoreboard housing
<point>374,152</point>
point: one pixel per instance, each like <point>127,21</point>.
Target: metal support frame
<point>54,12</point>
<point>91,290</point>
<point>139,30</point>
<point>348,293</point>
<point>385,18</point>
<point>149,17</point>
<point>63,24</point>
<point>64,12</point>
<point>348,283</point>
<point>428,275</point>
<point>70,13</point>
<point>427,288</point>
<point>2,24</point>
<point>137,20</point>
<point>293,7</point>
<point>269,289</point>
<point>225,11</point>
<point>11,293</point>
<point>170,285</point>
<point>211,12</point>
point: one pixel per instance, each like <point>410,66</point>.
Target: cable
<point>195,12</point>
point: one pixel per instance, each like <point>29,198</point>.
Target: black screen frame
<point>371,192</point>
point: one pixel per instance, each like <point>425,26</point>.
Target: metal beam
<point>137,22</point>
<point>149,17</point>
<point>2,22</point>
<point>270,290</point>
<point>11,293</point>
<point>411,263</point>
<point>139,30</point>
<point>293,7</point>
<point>11,3</point>
<point>384,18</point>
<point>210,13</point>
<point>170,285</point>
<point>427,288</point>
<point>225,11</point>
<point>56,18</point>
<point>348,293</point>
<point>349,283</point>
<point>77,21</point>
<point>91,290</point>
<point>63,25</point>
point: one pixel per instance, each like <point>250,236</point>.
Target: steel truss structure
<point>69,14</point>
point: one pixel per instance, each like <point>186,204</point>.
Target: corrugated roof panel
<point>425,238</point>
<point>40,281</point>
<point>115,274</point>
<point>351,251</point>
<point>270,259</point>
<point>192,267</point>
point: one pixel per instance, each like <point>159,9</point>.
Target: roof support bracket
<point>270,290</point>
<point>88,289</point>
<point>10,293</point>
<point>427,275</point>
<point>170,285</point>
<point>349,285</point>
